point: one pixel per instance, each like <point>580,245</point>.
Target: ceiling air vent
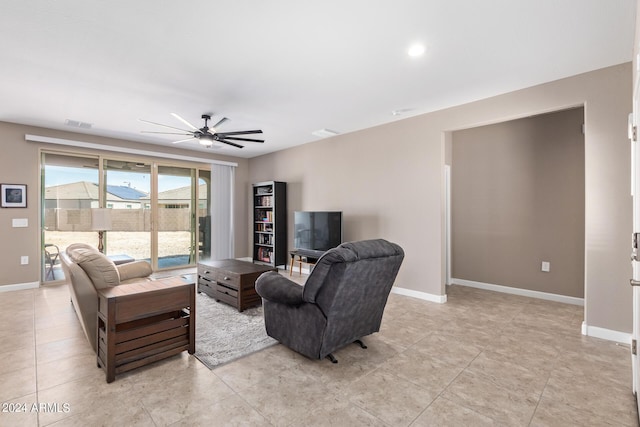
<point>77,124</point>
<point>325,133</point>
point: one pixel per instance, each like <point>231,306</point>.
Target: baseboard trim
<point>518,291</point>
<point>19,287</point>
<point>606,334</point>
<point>440,299</point>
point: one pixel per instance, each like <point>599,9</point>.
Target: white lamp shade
<point>101,219</point>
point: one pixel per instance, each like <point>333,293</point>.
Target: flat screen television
<point>316,232</point>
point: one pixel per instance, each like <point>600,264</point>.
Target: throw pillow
<point>100,269</point>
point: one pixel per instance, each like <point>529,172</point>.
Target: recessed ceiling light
<point>416,50</point>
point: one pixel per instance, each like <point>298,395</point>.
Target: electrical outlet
<point>24,260</point>
<point>546,266</point>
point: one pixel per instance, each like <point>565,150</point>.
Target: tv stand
<point>305,256</point>
<point>307,253</point>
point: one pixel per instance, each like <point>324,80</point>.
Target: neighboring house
<point>67,206</point>
<point>180,198</point>
<point>84,195</point>
<point>125,197</point>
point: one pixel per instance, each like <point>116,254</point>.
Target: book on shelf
<point>264,239</point>
<point>265,255</point>
<point>260,191</point>
<point>264,201</point>
<point>264,215</point>
<point>264,227</point>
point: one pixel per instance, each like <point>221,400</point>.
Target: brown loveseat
<point>86,270</point>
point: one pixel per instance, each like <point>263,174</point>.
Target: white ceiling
<point>288,67</point>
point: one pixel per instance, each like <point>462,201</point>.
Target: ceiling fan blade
<point>183,140</point>
<point>166,133</point>
<point>242,132</point>
<point>184,121</point>
<point>230,143</point>
<point>243,139</point>
<point>164,126</point>
<point>222,120</point>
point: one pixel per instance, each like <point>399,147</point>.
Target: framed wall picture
<point>13,195</point>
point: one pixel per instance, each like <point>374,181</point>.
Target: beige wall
<point>518,200</point>
<point>19,164</point>
<point>388,181</point>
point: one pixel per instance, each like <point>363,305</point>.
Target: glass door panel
<point>70,190</point>
<point>127,192</point>
<point>204,214</point>
<point>176,221</point>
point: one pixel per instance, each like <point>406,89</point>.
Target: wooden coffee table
<point>231,281</point>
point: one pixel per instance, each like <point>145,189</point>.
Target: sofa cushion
<point>134,270</point>
<point>100,269</point>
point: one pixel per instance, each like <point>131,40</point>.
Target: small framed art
<point>13,195</point>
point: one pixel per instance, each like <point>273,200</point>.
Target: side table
<point>303,258</point>
<point>143,322</point>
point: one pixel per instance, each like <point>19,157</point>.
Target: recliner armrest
<point>134,270</point>
<point>276,288</point>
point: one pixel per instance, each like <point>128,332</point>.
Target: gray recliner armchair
<point>342,300</point>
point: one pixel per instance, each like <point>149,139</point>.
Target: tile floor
<point>483,358</point>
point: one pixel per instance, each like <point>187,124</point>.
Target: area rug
<point>224,334</point>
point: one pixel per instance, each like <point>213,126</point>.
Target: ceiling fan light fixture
<point>207,136</point>
<point>206,140</point>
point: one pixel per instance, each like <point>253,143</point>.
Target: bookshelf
<point>270,223</point>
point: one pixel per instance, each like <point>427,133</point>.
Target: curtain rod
<point>81,144</point>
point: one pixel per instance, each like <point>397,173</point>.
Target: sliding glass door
<point>159,213</point>
<point>127,193</point>
<point>176,217</point>
<point>70,190</point>
<point>204,214</point>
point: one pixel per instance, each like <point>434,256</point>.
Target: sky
<point>58,175</point>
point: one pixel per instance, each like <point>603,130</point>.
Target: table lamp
<point>100,222</point>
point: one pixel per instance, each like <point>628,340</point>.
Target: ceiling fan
<point>206,135</point>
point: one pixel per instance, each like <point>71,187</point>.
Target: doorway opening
<point>518,206</point>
